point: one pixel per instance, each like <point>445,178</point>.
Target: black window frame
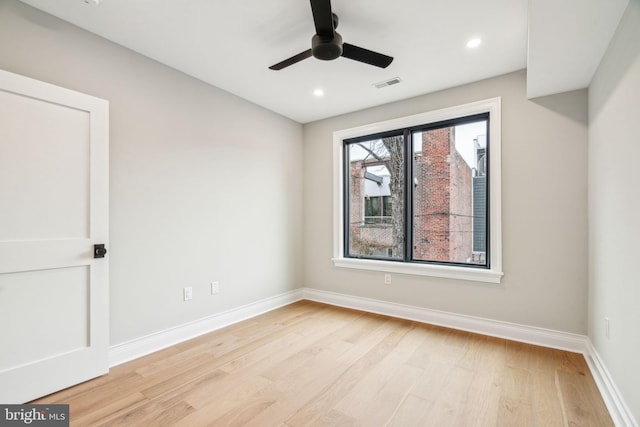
<point>407,133</point>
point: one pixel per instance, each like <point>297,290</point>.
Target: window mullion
<point>408,195</point>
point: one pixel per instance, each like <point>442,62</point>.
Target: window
<point>377,209</point>
<point>421,195</point>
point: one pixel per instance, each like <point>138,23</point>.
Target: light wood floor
<point>313,364</point>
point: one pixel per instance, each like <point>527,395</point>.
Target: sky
<point>465,134</point>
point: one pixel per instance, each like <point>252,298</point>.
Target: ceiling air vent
<point>389,82</point>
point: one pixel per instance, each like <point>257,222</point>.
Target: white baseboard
<point>620,413</point>
<point>139,347</point>
<point>495,328</point>
<point>618,409</point>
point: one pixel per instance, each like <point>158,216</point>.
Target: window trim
<point>489,275</point>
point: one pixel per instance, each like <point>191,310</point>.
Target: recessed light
<point>318,92</point>
<point>473,43</point>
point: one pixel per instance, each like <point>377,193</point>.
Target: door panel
<point>54,207</point>
<point>44,169</point>
<point>51,307</point>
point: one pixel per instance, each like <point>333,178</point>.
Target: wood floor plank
<point>152,414</point>
<point>547,404</point>
<point>578,392</point>
<point>516,398</point>
<point>335,418</point>
<point>450,402</point>
<point>221,398</point>
<point>289,392</point>
<point>331,395</point>
<point>482,366</point>
<point>108,409</point>
<point>412,411</point>
<point>310,364</point>
<point>386,383</point>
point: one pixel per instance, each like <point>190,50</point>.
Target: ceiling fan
<point>327,43</point>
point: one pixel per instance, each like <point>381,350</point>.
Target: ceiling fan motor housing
<point>327,48</point>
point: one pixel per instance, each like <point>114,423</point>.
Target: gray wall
<point>614,207</point>
<point>544,196</point>
<point>204,186</point>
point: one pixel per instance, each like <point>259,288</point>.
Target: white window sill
<point>449,272</point>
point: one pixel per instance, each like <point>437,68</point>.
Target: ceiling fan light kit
<point>327,43</point>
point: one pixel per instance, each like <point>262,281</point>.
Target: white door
<point>54,296</point>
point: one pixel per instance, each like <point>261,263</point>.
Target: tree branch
<point>376,156</point>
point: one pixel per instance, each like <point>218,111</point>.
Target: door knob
<point>99,251</point>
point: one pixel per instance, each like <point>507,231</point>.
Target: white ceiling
<point>567,39</point>
<point>230,44</point>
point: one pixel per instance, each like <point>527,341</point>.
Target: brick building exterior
<point>442,200</point>
<point>443,204</point>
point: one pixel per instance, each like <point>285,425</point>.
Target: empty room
<point>319,213</point>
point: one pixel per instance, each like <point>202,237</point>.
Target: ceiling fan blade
<point>365,55</point>
<point>322,17</point>
<point>294,59</point>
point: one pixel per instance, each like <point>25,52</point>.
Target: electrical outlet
<point>187,293</point>
<point>215,288</point>
<point>387,279</point>
<point>606,327</point>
